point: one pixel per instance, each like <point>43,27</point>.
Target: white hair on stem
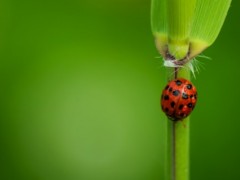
<point>194,65</point>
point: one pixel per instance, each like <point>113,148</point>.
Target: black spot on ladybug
<point>189,86</point>
<point>184,96</point>
<point>176,92</point>
<point>166,109</point>
<point>190,105</point>
<point>178,82</point>
<point>166,97</point>
<point>172,104</point>
<point>166,87</point>
<point>170,89</point>
<point>180,107</point>
<point>191,96</point>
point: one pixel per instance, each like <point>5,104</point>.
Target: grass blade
<point>208,20</point>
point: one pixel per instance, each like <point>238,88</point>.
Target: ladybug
<point>178,99</point>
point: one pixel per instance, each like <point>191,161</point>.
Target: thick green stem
<point>179,19</point>
<point>178,144</point>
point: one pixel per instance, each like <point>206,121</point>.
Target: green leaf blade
<point>208,21</point>
<point>159,16</point>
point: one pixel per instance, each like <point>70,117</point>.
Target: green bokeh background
<point>80,88</point>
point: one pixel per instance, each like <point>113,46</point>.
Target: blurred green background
<point>80,88</point>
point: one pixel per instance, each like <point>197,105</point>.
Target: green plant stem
<point>178,143</point>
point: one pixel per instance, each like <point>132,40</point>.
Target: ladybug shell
<point>178,99</point>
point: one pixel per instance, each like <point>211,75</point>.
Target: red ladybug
<point>178,99</point>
